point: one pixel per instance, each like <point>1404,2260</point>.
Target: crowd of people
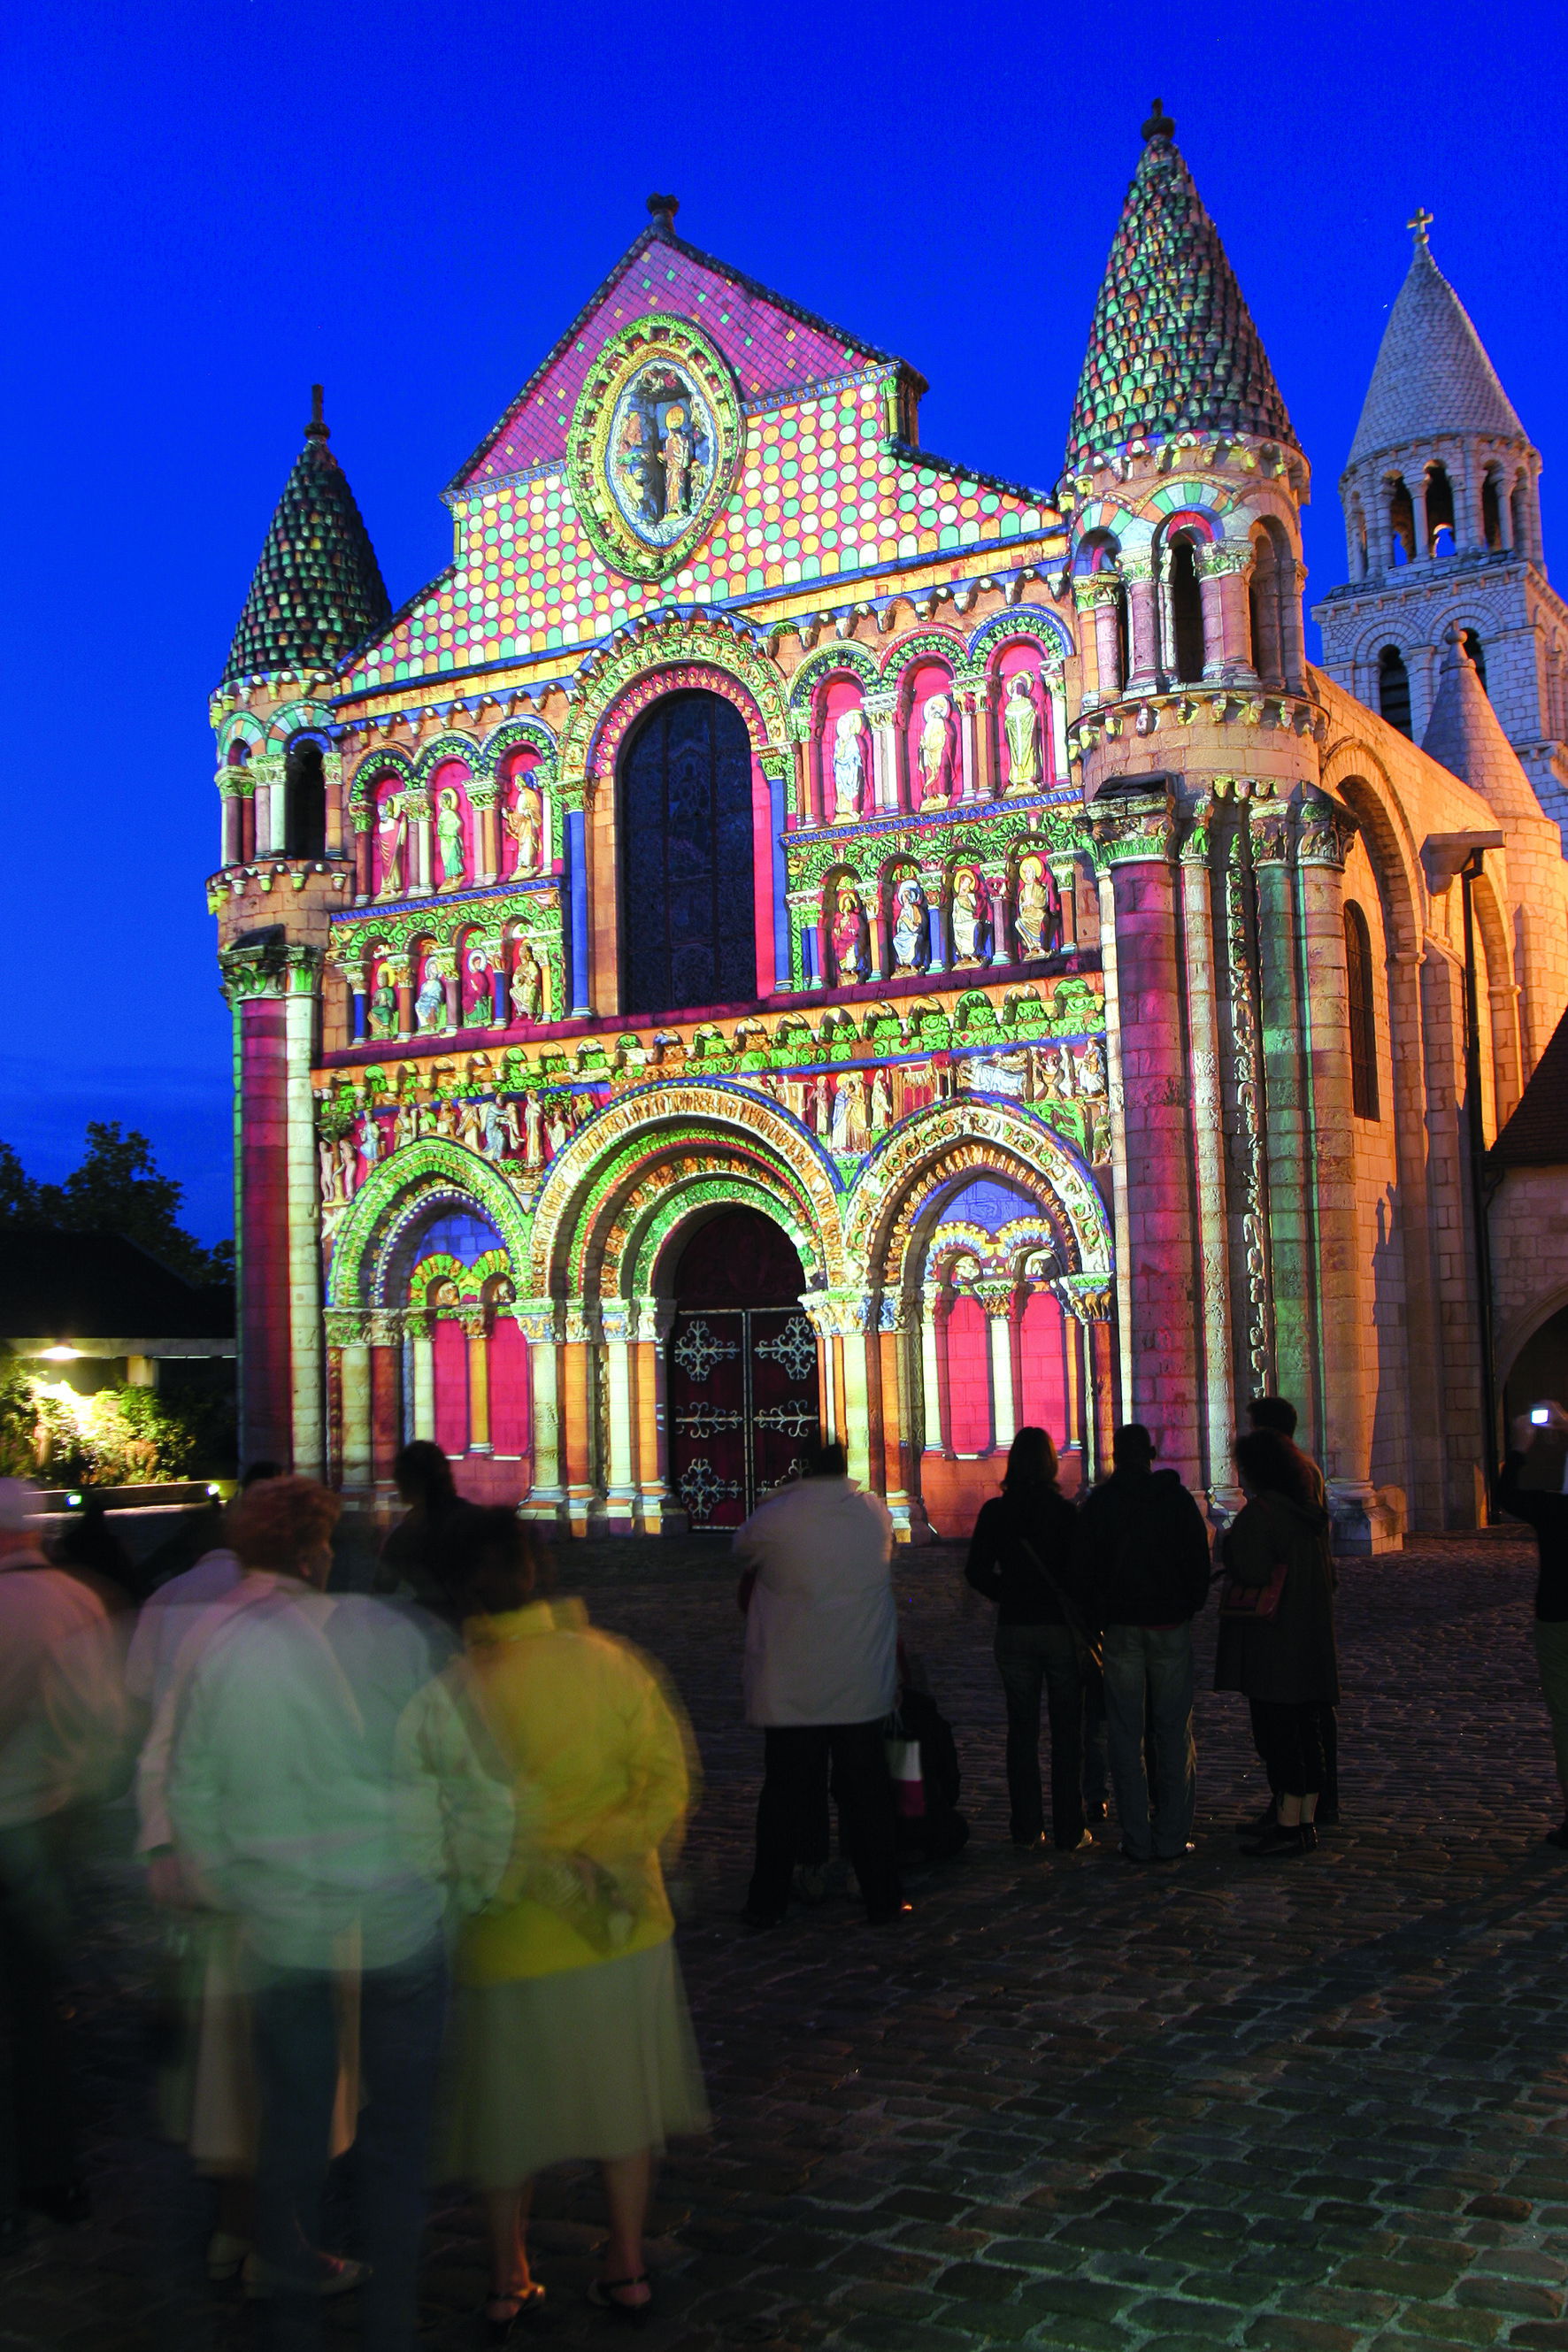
<point>408,1845</point>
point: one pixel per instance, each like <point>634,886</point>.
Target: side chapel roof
<point>317,590</point>
<point>771,342</point>
<point>1466,735</point>
<point>1537,1134</point>
<point>1433,375</point>
<point>1172,348</point>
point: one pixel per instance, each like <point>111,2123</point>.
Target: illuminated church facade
<point>790,928</point>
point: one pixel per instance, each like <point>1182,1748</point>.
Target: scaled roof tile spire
<point>1172,348</point>
<point>1433,375</point>
<point>317,591</point>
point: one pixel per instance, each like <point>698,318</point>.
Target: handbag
<point>1259,1602</point>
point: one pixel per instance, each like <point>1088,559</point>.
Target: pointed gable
<point>1433,375</point>
<point>772,346</point>
<point>1172,348</point>
<point>317,590</point>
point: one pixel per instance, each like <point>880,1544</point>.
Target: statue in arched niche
<point>912,951</point>
<point>430,1004</point>
<point>479,993</point>
<point>525,823</point>
<point>935,746</point>
<point>392,835</point>
<point>1021,725</point>
<point>849,936</point>
<point>383,1007</point>
<point>968,917</point>
<point>449,838</point>
<point>527,984</point>
<point>1032,922</point>
<point>849,764</point>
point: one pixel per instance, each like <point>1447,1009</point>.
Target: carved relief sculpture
<point>911,950</point>
<point>525,823</point>
<point>526,985</point>
<point>968,917</point>
<point>392,837</point>
<point>430,1003</point>
<point>383,1008</point>
<point>849,938</point>
<point>1032,922</point>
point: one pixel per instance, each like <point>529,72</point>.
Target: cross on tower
<point>1421,223</point>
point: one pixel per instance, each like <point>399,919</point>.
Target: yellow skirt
<point>597,2061</point>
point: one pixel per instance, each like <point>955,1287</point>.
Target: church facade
<point>788,928</point>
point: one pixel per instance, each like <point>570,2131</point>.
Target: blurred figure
<point>821,1676</point>
<point>428,1534</point>
<point>62,1742</point>
<point>1531,1488</point>
<point>1143,1567</point>
<point>325,1789</point>
<point>1278,1414</point>
<point>88,1547</point>
<point>572,2036</point>
<point>1281,1656</point>
<point>1021,1557</point>
<point>171,1609</point>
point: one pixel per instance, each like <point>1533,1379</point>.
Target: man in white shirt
<point>820,1676</point>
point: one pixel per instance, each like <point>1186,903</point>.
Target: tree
<point>117,1189</point>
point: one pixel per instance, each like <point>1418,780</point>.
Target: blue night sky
<point>214,203</point>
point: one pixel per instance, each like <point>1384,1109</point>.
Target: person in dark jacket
<point>1143,1567</point>
<point>1278,1413</point>
<point>1531,1489</point>
<point>420,1552</point>
<point>1020,1557</point>
<point>1286,1664</point>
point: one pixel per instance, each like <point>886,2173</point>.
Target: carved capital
<point>1089,1297</point>
<point>1133,825</point>
<point>1227,555</point>
<point>346,1327</point>
<point>1092,588</point>
<point>1326,833</point>
<point>383,1326</point>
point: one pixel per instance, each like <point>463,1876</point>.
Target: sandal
<point>605,2295</point>
<point>502,2312</point>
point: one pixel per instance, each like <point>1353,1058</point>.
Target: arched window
<point>1521,507</point>
<point>305,800</point>
<point>1186,612</point>
<point>1491,512</point>
<point>1393,688</point>
<point>1439,512</point>
<point>1360,1007</point>
<point>1401,522</point>
<point>688,927</point>
<point>1477,652</point>
<point>1358,544</point>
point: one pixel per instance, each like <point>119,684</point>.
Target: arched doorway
<point>1540,1371</point>
<point>688,936</point>
<point>743,1377</point>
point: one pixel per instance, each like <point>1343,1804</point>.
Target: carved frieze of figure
<point>1032,921</point>
<point>856,1128</point>
<point>449,838</point>
<point>430,1004</point>
<point>911,949</point>
<point>479,992</point>
<point>391,835</point>
<point>348,1166</point>
<point>328,1161</point>
<point>527,984</point>
<point>447,1117</point>
<point>370,1143</point>
<point>677,453</point>
<point>471,1126</point>
<point>405,1124</point>
<point>848,765</point>
<point>557,1125</point>
<point>633,466</point>
<point>525,823</point>
<point>849,938</point>
<point>968,917</point>
<point>1021,725</point>
<point>533,1133</point>
<point>383,1008</point>
<point>1091,1069</point>
<point>500,1131</point>
<point>881,1105</point>
<point>935,749</point>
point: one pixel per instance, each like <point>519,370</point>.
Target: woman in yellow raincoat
<point>572,2034</point>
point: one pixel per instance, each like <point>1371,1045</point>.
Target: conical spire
<point>317,591</point>
<point>1466,735</point>
<point>1172,348</point>
<point>1433,375</point>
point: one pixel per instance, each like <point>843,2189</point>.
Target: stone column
<point>364,847</point>
<point>266,771</point>
<point>301,1006</point>
<point>1344,1313</point>
<point>1292,645</point>
<point>1063,864</point>
<point>932,1435</point>
<point>474,1331</point>
<point>1133,846</point>
<point>538,1321</point>
<point>1209,1162</point>
<point>1143,622</point>
<point>655,1505</point>
<point>1228,633</point>
<point>383,1329</point>
<point>1418,502</point>
<point>1089,1298</point>
<point>933,882</point>
<point>346,1332</point>
<point>576,1417</point>
<point>805,923</point>
<point>417,809</point>
<point>1000,1300</point>
<point>964,701</point>
<point>1282,1034</point>
<point>1002,948</point>
<point>881,709</point>
<point>422,1368</point>
<point>483,796</point>
<point>621,1514</point>
<point>1096,595</point>
<point>333,787</point>
<point>231,830</point>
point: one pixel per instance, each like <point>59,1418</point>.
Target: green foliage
<point>117,1437</point>
<point>118,1189</point>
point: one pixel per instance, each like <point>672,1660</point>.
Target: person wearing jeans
<point>1020,1557</point>
<point>1142,1564</point>
<point>1530,1489</point>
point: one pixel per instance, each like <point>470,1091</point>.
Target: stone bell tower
<point>1442,504</point>
<point>1219,857</point>
<point>317,591</point>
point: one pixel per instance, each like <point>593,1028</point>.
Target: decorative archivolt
<point>1135,528</point>
<point>240,727</point>
<point>673,640</point>
<point>577,1193</point>
<point>301,717</point>
<point>404,1184</point>
<point>968,1137</point>
<point>1022,620</point>
<point>924,644</point>
<point>510,735</point>
<point>446,747</point>
<point>845,660</point>
<point>670,1195</point>
<point>373,767</point>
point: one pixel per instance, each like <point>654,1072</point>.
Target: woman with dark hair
<point>1020,1558</point>
<point>429,1528</point>
<point>1276,1632</point>
<point>572,2036</point>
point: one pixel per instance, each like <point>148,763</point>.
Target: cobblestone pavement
<point>1309,2106</point>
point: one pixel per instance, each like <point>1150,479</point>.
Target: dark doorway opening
<point>742,1374</point>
